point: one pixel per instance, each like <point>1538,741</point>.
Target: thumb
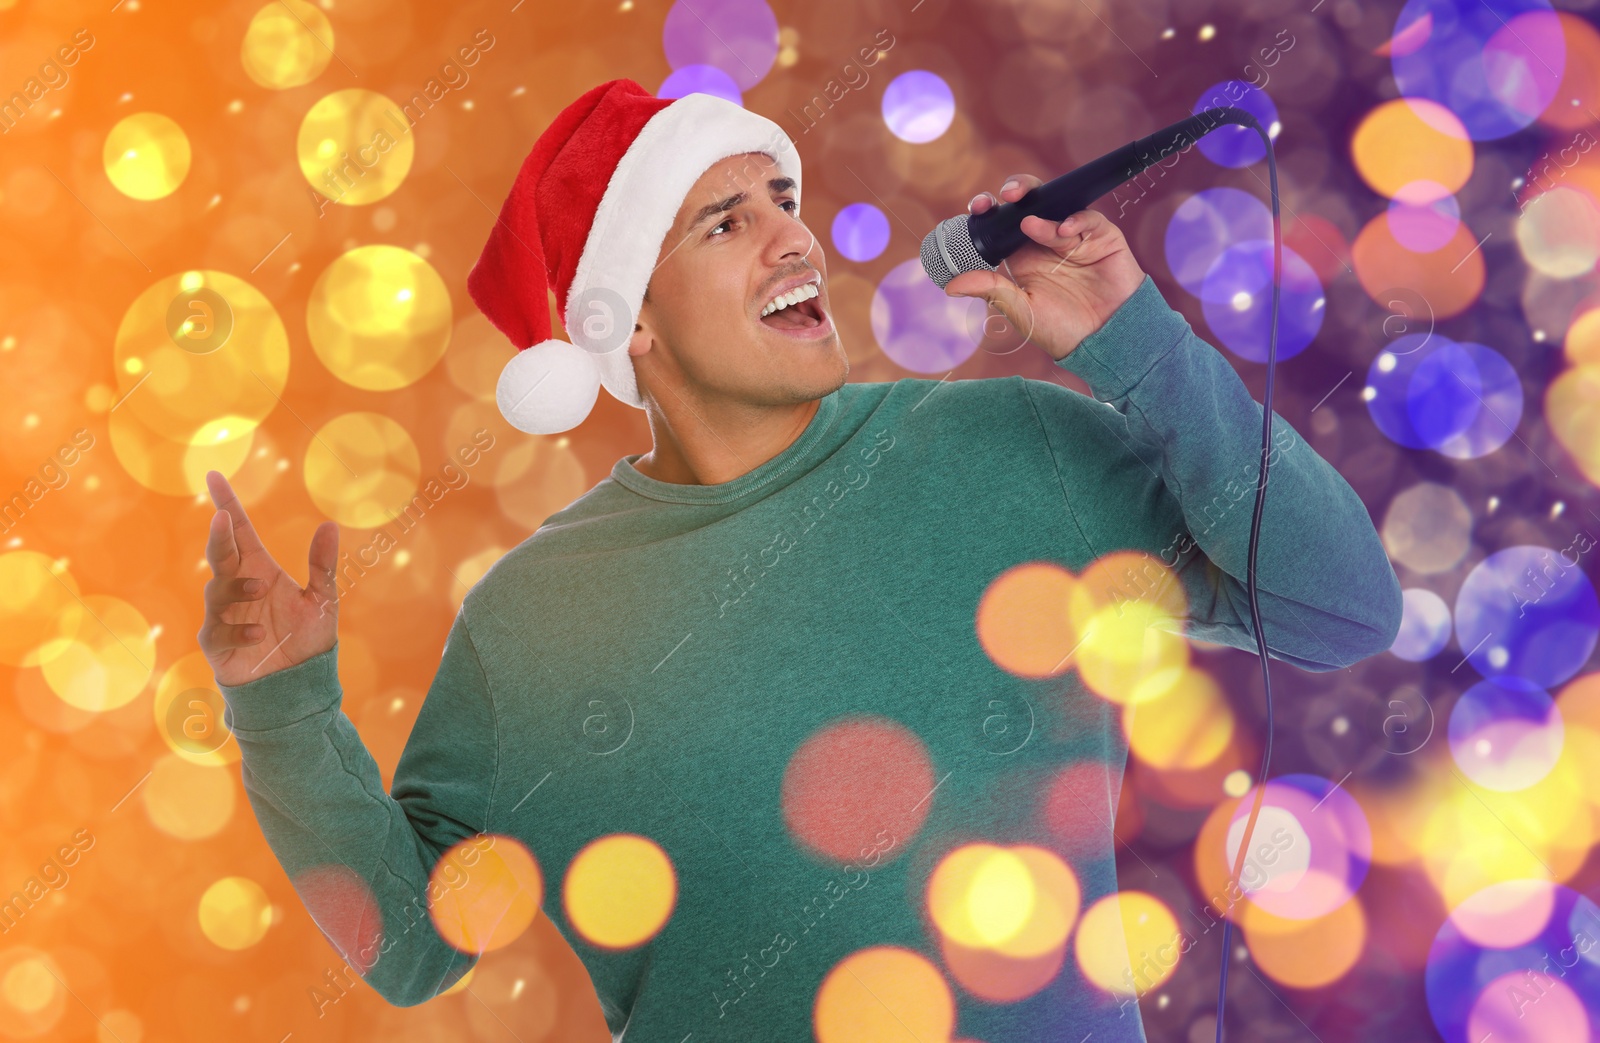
<point>324,554</point>
<point>988,286</point>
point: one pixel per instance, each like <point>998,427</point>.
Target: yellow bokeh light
<point>172,467</point>
<point>288,43</point>
<point>146,155</point>
<point>109,659</point>
<point>536,477</point>
<point>1022,620</point>
<point>884,993</point>
<point>235,913</point>
<point>355,146</point>
<point>1186,728</point>
<point>1305,954</point>
<point>1128,943</point>
<point>39,608</point>
<point>1559,232</point>
<point>1128,608</point>
<point>195,347</point>
<point>32,996</point>
<point>185,800</point>
<point>361,469</point>
<point>1572,408</point>
<point>1411,139</point>
<point>484,892</point>
<point>620,890</point>
<point>1582,343</point>
<point>1019,901</point>
<point>379,317</point>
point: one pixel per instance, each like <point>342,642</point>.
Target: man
<point>761,647</point>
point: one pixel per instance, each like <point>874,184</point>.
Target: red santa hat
<point>587,217</point>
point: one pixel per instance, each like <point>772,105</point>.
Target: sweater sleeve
<point>361,858</point>
<point>1166,459</point>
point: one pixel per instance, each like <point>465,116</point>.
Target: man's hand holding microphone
<point>258,620</point>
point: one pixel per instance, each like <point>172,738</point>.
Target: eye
<point>787,202</point>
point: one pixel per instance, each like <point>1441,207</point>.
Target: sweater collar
<point>799,452</point>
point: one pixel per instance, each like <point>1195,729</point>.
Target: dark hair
<point>636,326</point>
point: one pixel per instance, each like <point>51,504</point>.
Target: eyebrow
<point>777,184</point>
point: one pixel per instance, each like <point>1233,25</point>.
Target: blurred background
<point>308,185</point>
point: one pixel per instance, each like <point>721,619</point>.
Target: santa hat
<point>587,217</point>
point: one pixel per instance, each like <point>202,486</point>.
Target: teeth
<point>804,293</point>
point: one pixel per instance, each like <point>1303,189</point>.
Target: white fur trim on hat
<point>653,178</point>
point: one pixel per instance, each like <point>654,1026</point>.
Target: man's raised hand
<point>257,618</point>
<point>1065,284</point>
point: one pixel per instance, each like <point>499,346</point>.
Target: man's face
<point>701,330</point>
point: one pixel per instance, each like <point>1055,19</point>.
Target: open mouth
<point>802,316</point>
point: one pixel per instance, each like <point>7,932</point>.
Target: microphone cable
<point>1244,118</point>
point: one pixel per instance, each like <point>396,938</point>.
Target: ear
<point>639,342</point>
<point>642,338</point>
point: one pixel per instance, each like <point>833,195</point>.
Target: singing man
<point>759,656</point>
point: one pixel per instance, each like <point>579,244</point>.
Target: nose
<point>791,239</point>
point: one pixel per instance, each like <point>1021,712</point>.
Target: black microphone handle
<point>997,233</point>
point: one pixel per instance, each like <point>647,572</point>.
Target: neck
<point>705,444</point>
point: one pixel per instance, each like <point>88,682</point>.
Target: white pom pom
<point>548,387</point>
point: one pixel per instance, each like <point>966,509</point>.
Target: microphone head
<point>947,251</point>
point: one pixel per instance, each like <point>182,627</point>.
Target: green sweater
<point>650,660</point>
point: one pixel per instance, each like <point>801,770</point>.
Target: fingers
<point>217,636</point>
<point>1069,237</point>
<point>989,286</point>
<point>222,553</point>
<point>1017,186</point>
<point>222,591</point>
<point>323,556</point>
<point>244,534</point>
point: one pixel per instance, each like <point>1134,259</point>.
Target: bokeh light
<point>739,37</point>
<point>355,146</point>
<point>620,890</point>
<point>235,913</point>
<point>1205,225</point>
<point>1128,943</point>
<point>918,106</point>
<point>854,781</point>
<point>883,992</point>
<point>484,892</point>
<point>147,155</point>
<point>1425,626</point>
<point>379,317</point>
<point>1232,145</point>
<point>860,232</point>
<point>700,79</point>
<point>362,470</point>
<point>918,327</point>
<point>1527,612</point>
<point>1495,68</point>
<point>1505,733</point>
<point>288,43</point>
<point>1237,297</point>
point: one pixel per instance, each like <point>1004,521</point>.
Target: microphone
<point>970,242</point>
